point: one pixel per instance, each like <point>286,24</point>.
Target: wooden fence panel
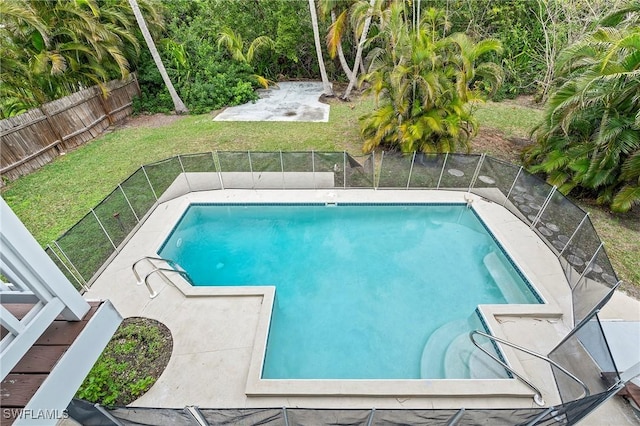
<point>78,118</point>
<point>119,102</point>
<point>30,140</point>
<point>27,143</point>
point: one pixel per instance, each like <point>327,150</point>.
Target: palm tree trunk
<point>343,60</point>
<point>316,36</point>
<point>178,105</point>
<point>358,60</point>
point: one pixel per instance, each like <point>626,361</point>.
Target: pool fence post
<point>196,415</point>
<point>284,186</point>
<point>574,234</point>
<point>81,282</point>
<point>541,416</point>
<point>373,169</point>
<point>129,203</point>
<point>413,159</point>
<point>476,173</point>
<point>253,182</point>
<point>543,207</point>
<point>344,169</point>
<point>284,414</point>
<point>104,230</point>
<point>456,418</point>
<point>216,164</point>
<point>151,186</point>
<point>444,164</point>
<point>370,419</point>
<point>593,258</point>
<point>185,173</point>
<point>377,184</point>
<point>69,260</point>
<point>513,185</point>
<point>313,169</point>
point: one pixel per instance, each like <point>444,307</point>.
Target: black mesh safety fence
<point>565,228</point>
<point>459,171</point>
<point>496,179</point>
<point>564,414</point>
<point>139,193</point>
<point>332,164</point>
<point>584,352</point>
<point>426,171</point>
<point>244,417</point>
<point>395,170</point>
<point>598,280</point>
<point>559,220</point>
<point>528,195</point>
<point>234,161</point>
<point>116,216</point>
<point>65,267</point>
<point>360,171</point>
<point>167,179</point>
<point>571,413</point>
<point>201,171</point>
<point>86,246</point>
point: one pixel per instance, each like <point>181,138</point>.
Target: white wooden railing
<point>30,278</point>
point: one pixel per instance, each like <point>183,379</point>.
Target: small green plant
<point>130,364</point>
<point>141,386</point>
<point>100,385</point>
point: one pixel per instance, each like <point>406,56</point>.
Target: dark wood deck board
<point>40,359</point>
<point>18,310</point>
<point>17,389</point>
<point>26,377</point>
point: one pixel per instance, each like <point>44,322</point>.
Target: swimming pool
<point>361,289</point>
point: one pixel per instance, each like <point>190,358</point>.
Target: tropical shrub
<point>424,83</point>
<point>589,140</point>
<point>54,48</point>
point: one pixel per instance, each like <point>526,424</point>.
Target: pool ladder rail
<point>537,397</point>
<point>170,267</point>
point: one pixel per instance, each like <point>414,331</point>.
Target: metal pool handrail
<point>538,395</point>
<point>150,259</point>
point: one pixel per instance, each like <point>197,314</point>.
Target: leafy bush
<point>130,364</point>
<point>589,139</point>
<point>424,83</point>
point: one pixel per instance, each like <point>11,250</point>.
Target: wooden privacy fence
<point>30,140</point>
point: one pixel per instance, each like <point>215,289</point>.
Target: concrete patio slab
<point>287,101</point>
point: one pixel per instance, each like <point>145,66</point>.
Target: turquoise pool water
<point>359,288</point>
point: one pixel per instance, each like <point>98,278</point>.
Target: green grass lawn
<point>511,119</point>
<point>52,199</point>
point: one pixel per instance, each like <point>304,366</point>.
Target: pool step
<point>464,361</point>
<point>433,354</point>
<point>450,354</point>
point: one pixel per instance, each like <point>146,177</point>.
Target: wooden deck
<point>24,380</point>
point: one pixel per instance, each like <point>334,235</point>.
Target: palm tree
<point>235,45</point>
<point>178,105</point>
<point>424,84</point>
<point>589,139</point>
<point>51,49</point>
<point>361,42</point>
<point>327,90</point>
<point>338,12</point>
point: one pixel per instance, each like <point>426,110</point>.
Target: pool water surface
<point>359,288</point>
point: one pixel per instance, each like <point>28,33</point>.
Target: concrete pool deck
<point>218,334</point>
